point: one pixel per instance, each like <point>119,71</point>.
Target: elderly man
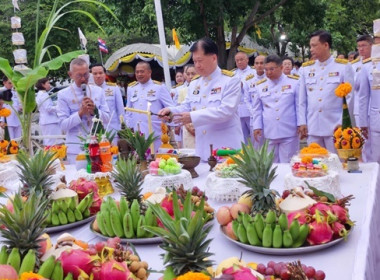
<point>113,98</point>
<point>320,110</point>
<point>275,107</point>
<point>211,103</point>
<point>76,107</point>
<point>146,94</point>
<point>243,71</point>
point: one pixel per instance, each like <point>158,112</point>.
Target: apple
<point>229,231</point>
<point>223,215</point>
<point>45,244</point>
<point>162,164</point>
<point>172,161</point>
<point>236,208</point>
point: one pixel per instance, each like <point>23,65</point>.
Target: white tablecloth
<point>356,259</point>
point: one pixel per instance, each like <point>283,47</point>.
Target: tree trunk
<point>221,40</point>
<point>233,49</point>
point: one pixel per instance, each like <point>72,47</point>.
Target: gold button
<point>277,118</point>
<point>204,107</point>
<point>321,78</point>
<point>320,99</point>
<point>276,100</point>
<point>320,110</point>
<point>321,89</point>
<point>276,110</point>
<point>204,131</point>
<point>311,89</point>
<point>204,96</point>
<point>194,108</point>
<point>323,68</point>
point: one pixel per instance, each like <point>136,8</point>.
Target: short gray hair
<point>77,61</point>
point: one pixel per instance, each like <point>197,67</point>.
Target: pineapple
<point>254,167</point>
<point>24,225</point>
<point>36,172</point>
<point>184,237</point>
<point>128,179</point>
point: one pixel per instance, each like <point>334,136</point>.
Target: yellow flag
<point>175,39</point>
<point>258,31</point>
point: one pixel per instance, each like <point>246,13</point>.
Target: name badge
<point>151,92</point>
<point>286,87</point>
<point>333,74</point>
<point>109,92</point>
<point>311,74</point>
<point>196,91</point>
<point>216,90</point>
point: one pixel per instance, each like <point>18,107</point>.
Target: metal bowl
<point>189,163</point>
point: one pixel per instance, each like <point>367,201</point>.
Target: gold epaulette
<point>195,77</point>
<point>293,77</point>
<point>367,60</point>
<point>157,82</point>
<point>250,76</point>
<point>341,60</point>
<point>177,85</point>
<point>228,73</point>
<point>233,70</point>
<point>111,84</point>
<point>355,60</point>
<point>261,81</point>
<point>132,84</point>
<point>308,63</point>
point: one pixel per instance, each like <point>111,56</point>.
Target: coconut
<point>296,202</point>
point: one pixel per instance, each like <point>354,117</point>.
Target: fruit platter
<point>226,169</point>
<point>165,166</point>
<point>309,167</point>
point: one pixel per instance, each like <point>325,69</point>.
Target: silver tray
<point>284,251</point>
<point>139,241</point>
<point>69,226</point>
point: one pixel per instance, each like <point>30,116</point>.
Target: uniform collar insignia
<point>196,91</point>
<point>311,74</point>
<point>151,92</point>
<point>109,92</point>
<point>216,90</point>
<point>265,89</point>
<point>286,87</point>
<point>333,74</point>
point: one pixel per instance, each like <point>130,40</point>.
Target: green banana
<point>28,263</point>
<point>239,217</point>
<point>14,259</point>
<point>55,206</point>
<point>128,226</point>
<point>62,218</point>
<point>83,204</point>
<point>69,276</point>
<point>64,206</point>
<point>287,239</point>
<point>47,267</point>
<point>70,216</point>
<point>99,220</point>
<point>268,236</point>
<point>55,219</point>
<point>149,217</point>
<point>242,234</point>
<point>295,229</point>
<point>90,201</point>
<point>108,225</point>
<point>277,237</point>
<point>271,217</point>
<point>87,213</point>
<point>259,225</point>
<point>104,205</point>
<point>116,224</point>
<point>112,204</point>
<point>135,213</point>
<point>283,221</point>
<point>252,236</point>
<point>57,272</point>
<point>304,232</point>
<point>246,220</point>
<point>78,215</point>
<point>123,206</point>
<point>235,226</point>
<point>73,203</point>
<point>48,214</point>
<point>140,232</point>
<point>3,255</point>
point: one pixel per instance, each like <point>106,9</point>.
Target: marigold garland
<point>193,276</point>
<point>5,112</point>
<point>349,138</point>
<point>30,276</point>
<point>314,149</point>
<point>3,144</point>
<point>13,150</point>
<point>343,90</point>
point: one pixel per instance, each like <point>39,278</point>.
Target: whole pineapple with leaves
<point>22,228</point>
<point>184,238</point>
<point>128,179</point>
<point>36,172</point>
<point>255,169</point>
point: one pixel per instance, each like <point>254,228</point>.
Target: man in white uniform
<point>76,107</point>
<point>113,98</point>
<point>320,110</point>
<point>211,103</point>
<point>13,122</point>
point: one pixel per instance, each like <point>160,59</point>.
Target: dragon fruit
<point>77,261</point>
<point>339,230</point>
<point>300,215</point>
<point>320,230</point>
<point>322,207</point>
<point>239,273</point>
<point>113,270</point>
<point>340,212</point>
<point>83,187</point>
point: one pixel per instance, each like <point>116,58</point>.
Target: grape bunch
<point>280,271</point>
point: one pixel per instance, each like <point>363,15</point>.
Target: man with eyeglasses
<point>320,110</point>
<point>275,110</point>
<point>76,107</point>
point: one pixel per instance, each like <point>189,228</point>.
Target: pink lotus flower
<point>240,273</point>
<point>320,230</point>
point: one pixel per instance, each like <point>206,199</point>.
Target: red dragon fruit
<point>113,270</point>
<point>300,215</point>
<point>322,207</point>
<point>340,212</point>
<point>339,230</point>
<point>320,230</point>
<point>83,187</point>
<point>77,261</point>
<point>239,273</point>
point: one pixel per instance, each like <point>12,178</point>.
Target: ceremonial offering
<point>18,39</point>
<point>165,166</point>
<point>189,163</point>
<point>15,22</point>
<point>309,168</point>
<point>20,56</point>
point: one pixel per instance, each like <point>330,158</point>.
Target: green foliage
<point>137,141</point>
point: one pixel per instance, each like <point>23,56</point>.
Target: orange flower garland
<point>13,150</point>
<point>5,112</point>
<point>314,149</point>
<point>30,276</point>
<point>3,144</point>
<point>349,138</point>
<point>343,90</point>
<point>193,276</point>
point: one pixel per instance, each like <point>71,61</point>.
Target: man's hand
<point>190,128</point>
<point>182,118</point>
<point>164,114</point>
<point>87,107</point>
<point>365,132</point>
<point>257,134</point>
<point>302,131</point>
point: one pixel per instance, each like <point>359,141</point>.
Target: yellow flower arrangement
<point>350,138</point>
<point>346,144</point>
<point>337,143</point>
<point>30,276</point>
<point>3,144</point>
<point>338,132</point>
<point>314,145</point>
<point>343,90</point>
<point>5,112</point>
<point>59,150</point>
<point>313,149</point>
<point>14,143</point>
<point>347,133</point>
<point>356,143</point>
<point>13,150</point>
<point>307,159</point>
<point>193,276</point>
<point>114,150</point>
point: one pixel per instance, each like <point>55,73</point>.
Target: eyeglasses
<point>80,76</point>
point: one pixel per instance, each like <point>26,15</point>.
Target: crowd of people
<point>275,99</point>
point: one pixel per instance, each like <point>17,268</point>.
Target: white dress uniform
<point>212,102</point>
<point>68,104</point>
<point>369,106</point>
<point>249,85</point>
<point>243,110</point>
<point>13,122</point>
<point>48,119</point>
<point>175,93</point>
<point>138,97</point>
<point>320,109</point>
<point>115,104</point>
<point>275,113</point>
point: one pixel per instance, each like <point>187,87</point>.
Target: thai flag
<point>102,46</point>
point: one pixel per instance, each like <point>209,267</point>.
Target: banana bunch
<point>15,259</point>
<point>269,232</point>
<point>67,211</point>
<point>124,221</point>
